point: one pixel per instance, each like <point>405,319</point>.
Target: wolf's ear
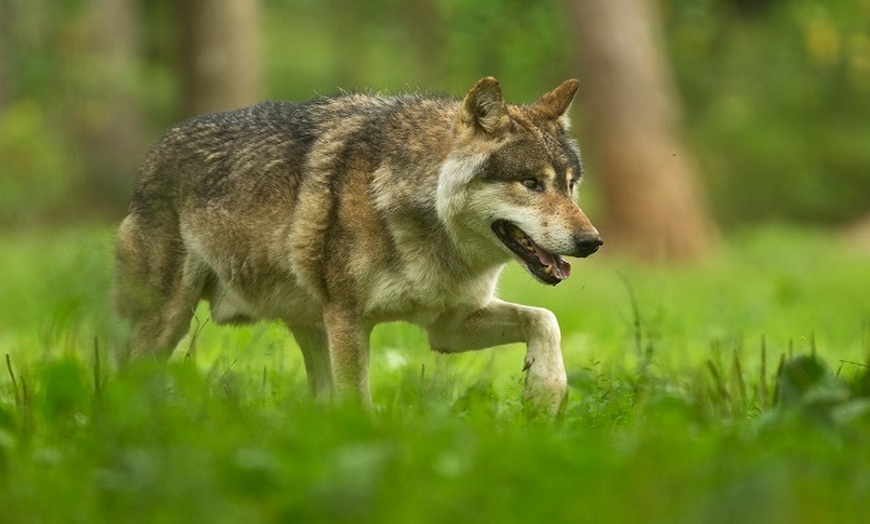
<point>484,108</point>
<point>554,105</point>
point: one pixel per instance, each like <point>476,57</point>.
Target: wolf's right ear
<point>554,105</point>
<point>484,108</point>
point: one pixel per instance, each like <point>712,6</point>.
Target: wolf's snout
<point>587,243</point>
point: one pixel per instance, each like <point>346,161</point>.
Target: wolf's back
<point>268,149</point>
<point>208,157</point>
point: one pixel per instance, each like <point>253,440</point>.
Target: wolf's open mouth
<point>545,266</point>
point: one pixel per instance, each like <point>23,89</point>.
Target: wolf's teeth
<point>516,233</point>
<point>548,270</point>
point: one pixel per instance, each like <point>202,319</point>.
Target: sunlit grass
<point>666,421</point>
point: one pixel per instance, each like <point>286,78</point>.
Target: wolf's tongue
<point>561,268</point>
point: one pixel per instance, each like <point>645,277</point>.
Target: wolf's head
<point>510,180</point>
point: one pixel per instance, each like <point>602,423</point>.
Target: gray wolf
<point>339,213</point>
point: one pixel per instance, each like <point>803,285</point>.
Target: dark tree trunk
<point>422,20</point>
<point>631,119</point>
<point>349,38</point>
<point>112,131</point>
<point>221,66</point>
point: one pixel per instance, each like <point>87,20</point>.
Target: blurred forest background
<point>767,101</point>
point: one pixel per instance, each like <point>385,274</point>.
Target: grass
<point>733,390</point>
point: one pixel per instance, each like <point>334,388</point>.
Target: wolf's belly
<point>249,300</point>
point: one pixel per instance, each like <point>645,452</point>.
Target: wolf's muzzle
<point>586,243</point>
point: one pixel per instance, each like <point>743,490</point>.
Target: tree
<point>422,21</point>
<point>221,67</point>
<point>111,125</point>
<point>631,120</point>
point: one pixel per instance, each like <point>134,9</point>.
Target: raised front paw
<point>546,391</point>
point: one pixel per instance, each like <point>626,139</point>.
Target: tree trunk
<point>112,123</point>
<point>424,26</point>
<point>349,23</point>
<point>631,121</point>
<point>221,67</point>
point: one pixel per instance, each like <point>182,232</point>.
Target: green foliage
<point>778,101</point>
<point>33,163</point>
<point>777,93</point>
<point>699,394</point>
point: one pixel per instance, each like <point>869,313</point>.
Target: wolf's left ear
<point>484,108</point>
<point>554,105</point>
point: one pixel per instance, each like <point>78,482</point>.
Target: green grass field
<point>677,413</point>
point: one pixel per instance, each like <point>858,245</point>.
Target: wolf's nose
<point>587,243</point>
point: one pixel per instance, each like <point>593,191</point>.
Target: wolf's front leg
<point>503,323</point>
<point>348,341</point>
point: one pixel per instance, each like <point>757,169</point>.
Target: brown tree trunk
<point>221,67</point>
<point>349,24</point>
<point>631,119</point>
<point>421,18</point>
<point>112,123</point>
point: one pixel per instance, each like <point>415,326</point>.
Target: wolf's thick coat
<point>336,214</point>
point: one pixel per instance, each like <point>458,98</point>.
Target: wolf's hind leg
<point>157,289</point>
<point>315,351</point>
<point>500,323</point>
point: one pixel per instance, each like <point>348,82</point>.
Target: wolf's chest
<point>421,294</point>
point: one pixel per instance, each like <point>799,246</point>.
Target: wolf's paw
<point>546,391</point>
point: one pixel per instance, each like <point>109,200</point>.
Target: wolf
<point>339,213</point>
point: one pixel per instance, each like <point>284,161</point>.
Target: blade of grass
<point>14,382</point>
<point>762,379</point>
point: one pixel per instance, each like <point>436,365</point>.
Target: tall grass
<point>736,390</point>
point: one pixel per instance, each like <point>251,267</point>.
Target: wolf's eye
<point>534,184</point>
